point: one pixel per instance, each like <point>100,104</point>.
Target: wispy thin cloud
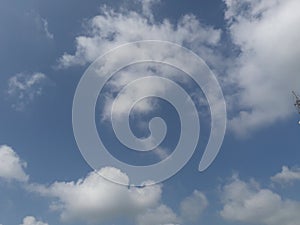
<point>23,89</point>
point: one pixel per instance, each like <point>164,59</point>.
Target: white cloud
<point>38,24</point>
<point>248,203</point>
<point>46,29</point>
<point>94,199</point>
<point>11,166</point>
<point>264,75</point>
<point>267,69</point>
<point>127,97</point>
<point>112,28</point>
<point>287,176</point>
<point>162,215</point>
<point>147,8</point>
<point>192,207</point>
<point>24,88</point>
<point>30,220</point>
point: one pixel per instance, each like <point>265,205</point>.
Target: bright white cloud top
<point>11,166</point>
<point>112,28</point>
<point>287,175</point>
<point>249,203</point>
<point>267,69</point>
<point>30,220</point>
<point>96,200</point>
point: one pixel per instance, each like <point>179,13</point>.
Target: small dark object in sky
<point>297,103</point>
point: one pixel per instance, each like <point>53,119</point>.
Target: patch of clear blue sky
<point>42,134</point>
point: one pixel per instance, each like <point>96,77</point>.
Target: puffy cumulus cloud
<point>112,28</point>
<point>94,199</point>
<point>11,166</point>
<point>248,203</point>
<point>262,74</point>
<point>192,207</point>
<point>287,175</point>
<point>267,68</point>
<point>162,215</point>
<point>24,88</point>
<point>30,220</point>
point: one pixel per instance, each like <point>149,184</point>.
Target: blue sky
<point>251,46</point>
